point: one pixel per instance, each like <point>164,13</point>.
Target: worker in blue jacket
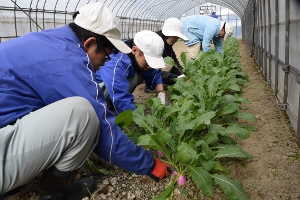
<point>214,15</point>
<point>204,29</point>
<point>124,72</point>
<point>53,113</point>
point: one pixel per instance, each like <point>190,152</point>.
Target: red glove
<point>160,170</point>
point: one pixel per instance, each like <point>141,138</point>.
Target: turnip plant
<point>197,130</point>
<point>178,133</point>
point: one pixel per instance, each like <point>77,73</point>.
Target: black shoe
<point>60,185</point>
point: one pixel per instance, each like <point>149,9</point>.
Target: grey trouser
<point>62,134</point>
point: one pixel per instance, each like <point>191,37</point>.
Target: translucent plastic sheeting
<point>18,17</point>
<point>158,10</point>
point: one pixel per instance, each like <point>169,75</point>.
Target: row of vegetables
<point>198,129</point>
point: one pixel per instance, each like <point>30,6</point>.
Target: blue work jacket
<point>40,68</point>
<point>115,74</point>
<point>202,28</point>
<point>213,15</point>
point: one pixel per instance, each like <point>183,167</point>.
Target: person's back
<point>27,71</point>
<point>200,28</point>
<point>204,29</point>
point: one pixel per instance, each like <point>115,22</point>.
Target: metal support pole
<point>286,70</point>
<point>265,40</point>
<point>298,124</point>
<point>15,18</point>
<point>256,32</point>
<point>270,36</point>
<point>276,47</point>
<point>261,66</point>
<point>287,46</point>
<point>253,30</point>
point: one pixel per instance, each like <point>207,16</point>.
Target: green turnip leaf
<point>186,153</point>
<point>238,131</point>
<point>168,60</point>
<point>230,108</point>
<point>206,151</point>
<point>233,189</point>
<point>246,116</point>
<point>166,193</point>
<point>124,118</point>
<point>231,151</point>
<point>202,179</point>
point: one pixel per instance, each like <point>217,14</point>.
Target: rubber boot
<point>60,185</point>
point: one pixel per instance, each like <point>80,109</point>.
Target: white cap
<point>228,30</point>
<point>213,11</point>
<point>173,27</point>
<point>201,12</point>
<point>97,18</point>
<point>152,45</point>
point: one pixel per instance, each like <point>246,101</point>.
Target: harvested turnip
<point>181,180</point>
<point>160,154</point>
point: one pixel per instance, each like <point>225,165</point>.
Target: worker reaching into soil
<point>124,72</point>
<point>171,31</point>
<point>53,114</point>
<point>202,29</point>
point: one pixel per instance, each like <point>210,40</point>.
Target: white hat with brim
<point>155,62</point>
<point>173,33</point>
<point>97,18</point>
<point>152,45</point>
<point>173,27</point>
<point>120,45</point>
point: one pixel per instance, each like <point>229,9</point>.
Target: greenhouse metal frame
<point>270,29</point>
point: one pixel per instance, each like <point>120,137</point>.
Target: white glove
<point>181,76</point>
<point>162,97</point>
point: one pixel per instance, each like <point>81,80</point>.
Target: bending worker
<point>124,72</point>
<point>204,29</point>
<point>171,31</point>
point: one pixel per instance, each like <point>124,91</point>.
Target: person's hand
<point>181,76</point>
<point>162,97</point>
<point>160,170</point>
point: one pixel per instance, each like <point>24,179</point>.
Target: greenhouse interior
<point>239,142</point>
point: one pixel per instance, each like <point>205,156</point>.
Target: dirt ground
<point>272,174</point>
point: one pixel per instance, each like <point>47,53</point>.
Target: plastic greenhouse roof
<point>156,10</point>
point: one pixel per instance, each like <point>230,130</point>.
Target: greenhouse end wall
<point>271,30</point>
